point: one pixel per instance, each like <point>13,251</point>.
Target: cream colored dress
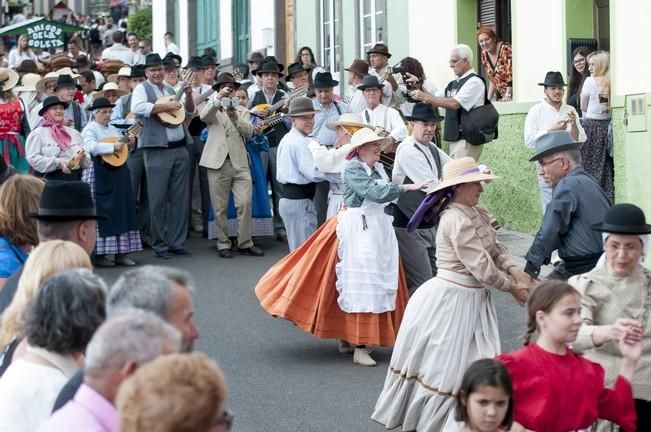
<point>449,322</point>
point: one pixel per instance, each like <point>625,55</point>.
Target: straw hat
<point>125,71</point>
<point>459,171</point>
<point>8,79</point>
<point>364,136</point>
<point>348,120</point>
<point>49,77</point>
<point>67,71</point>
<point>28,83</point>
<point>109,86</point>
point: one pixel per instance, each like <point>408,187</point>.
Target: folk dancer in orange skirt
<point>336,285</point>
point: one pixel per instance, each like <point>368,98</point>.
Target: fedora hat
<point>459,171</point>
<point>554,142</point>
<point>67,71</point>
<point>171,56</point>
<point>363,136</point>
<point>295,68</point>
<point>124,71</point>
<point>194,62</point>
<point>48,78</point>
<point>208,60</point>
<point>379,48</point>
<point>324,80</point>
<point>8,79</point>
<point>274,60</point>
<point>27,66</point>
<point>153,59</point>
<point>425,112</point>
<point>301,106</point>
<point>28,83</point>
<point>107,87</point>
<point>370,81</point>
<point>624,219</point>
<point>66,201</point>
<point>348,120</point>
<point>49,102</point>
<point>137,71</point>
<point>100,102</point>
<point>226,78</point>
<point>268,67</point>
<point>256,56</point>
<point>553,78</point>
<point>65,81</point>
<point>359,67</point>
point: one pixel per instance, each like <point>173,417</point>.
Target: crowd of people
<point>119,149</point>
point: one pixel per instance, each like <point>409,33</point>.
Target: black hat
<point>256,57</point>
<point>379,48</point>
<point>49,102</point>
<point>65,81</point>
<point>194,62</point>
<point>295,68</point>
<point>208,60</point>
<point>137,71</point>
<point>226,78</point>
<point>281,66</point>
<point>553,79</point>
<point>173,56</point>
<point>624,219</point>
<point>153,59</point>
<point>66,201</point>
<point>324,80</point>
<point>370,81</point>
<point>241,70</point>
<point>100,102</point>
<point>424,112</point>
<point>268,67</point>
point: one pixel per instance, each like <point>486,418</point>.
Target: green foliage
<point>514,198</point>
<point>140,23</point>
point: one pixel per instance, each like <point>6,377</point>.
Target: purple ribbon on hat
<point>425,210</point>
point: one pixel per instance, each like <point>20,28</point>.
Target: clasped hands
<point>521,284</point>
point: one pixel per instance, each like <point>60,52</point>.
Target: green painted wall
<point>397,34</point>
<point>349,40</point>
<point>467,26</point>
<point>306,26</point>
<point>579,22</point>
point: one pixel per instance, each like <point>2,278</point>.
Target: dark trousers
<point>321,202</point>
<point>136,165</point>
<point>203,201</point>
<point>643,409</point>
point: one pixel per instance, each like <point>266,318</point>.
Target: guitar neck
<point>204,96</point>
<point>288,97</point>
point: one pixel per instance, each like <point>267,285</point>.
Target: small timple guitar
<point>271,109</point>
<point>176,117</point>
<point>117,160</point>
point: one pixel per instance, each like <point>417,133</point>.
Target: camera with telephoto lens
<point>398,70</point>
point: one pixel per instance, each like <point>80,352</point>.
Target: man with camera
<point>224,157</point>
<point>551,115</point>
<point>463,94</point>
<point>378,59</point>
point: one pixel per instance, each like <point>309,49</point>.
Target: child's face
<point>563,322</point>
<point>243,96</point>
<point>487,408</point>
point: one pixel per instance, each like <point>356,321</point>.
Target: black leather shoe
<point>181,252</point>
<point>163,254</point>
<point>225,253</point>
<point>253,251</point>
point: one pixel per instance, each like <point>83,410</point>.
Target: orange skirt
<point>301,288</point>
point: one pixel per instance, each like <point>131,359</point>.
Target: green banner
<point>45,35</point>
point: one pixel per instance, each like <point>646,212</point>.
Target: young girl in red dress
<point>485,399</point>
<point>556,390</point>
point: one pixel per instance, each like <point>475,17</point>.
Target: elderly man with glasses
<point>577,203</point>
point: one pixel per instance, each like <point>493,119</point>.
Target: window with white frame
<point>372,24</point>
<point>330,28</point>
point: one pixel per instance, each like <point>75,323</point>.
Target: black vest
<point>276,133</point>
<point>452,129</point>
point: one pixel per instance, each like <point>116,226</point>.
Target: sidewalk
<point>518,244</point>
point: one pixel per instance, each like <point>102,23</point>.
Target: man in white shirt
<point>356,73</point>
<point>551,115</point>
<point>170,46</point>
<point>466,92</point>
<point>132,41</point>
<point>418,160</point>
<point>381,116</point>
<point>378,59</point>
<point>117,51</point>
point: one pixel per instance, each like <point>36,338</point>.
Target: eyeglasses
<point>225,420</point>
<point>579,61</point>
<point>454,61</point>
<point>627,249</point>
<point>544,164</point>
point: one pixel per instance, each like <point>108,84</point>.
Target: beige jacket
<point>606,298</point>
<point>225,138</point>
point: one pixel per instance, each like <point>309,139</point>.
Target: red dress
<point>12,143</point>
<point>561,393</point>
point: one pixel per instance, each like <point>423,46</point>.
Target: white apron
<point>367,271</point>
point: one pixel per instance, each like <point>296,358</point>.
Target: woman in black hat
<point>118,235</point>
<point>54,150</point>
<point>616,298</point>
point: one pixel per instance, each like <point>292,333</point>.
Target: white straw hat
<point>28,83</point>
<point>459,171</point>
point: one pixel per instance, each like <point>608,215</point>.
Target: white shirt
<point>28,391</point>
<point>15,59</point>
<point>356,99</point>
<point>415,160</point>
<point>295,162</point>
<point>43,153</point>
<point>387,118</point>
<point>595,110</point>
<point>118,52</point>
<point>140,106</point>
<point>542,117</point>
<point>172,48</point>
<point>471,94</point>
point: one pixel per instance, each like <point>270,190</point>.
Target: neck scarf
<point>59,132</point>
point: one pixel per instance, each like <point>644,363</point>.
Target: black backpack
<point>479,125</point>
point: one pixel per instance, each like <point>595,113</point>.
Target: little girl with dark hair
<point>485,398</point>
<point>555,389</point>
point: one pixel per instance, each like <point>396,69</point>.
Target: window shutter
<point>487,13</point>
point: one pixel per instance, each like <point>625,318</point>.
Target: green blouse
<point>360,183</point>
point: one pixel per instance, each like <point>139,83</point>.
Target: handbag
<point>479,125</point>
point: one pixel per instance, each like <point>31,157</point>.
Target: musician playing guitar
<point>269,74</point>
<point>117,235</point>
<point>167,162</point>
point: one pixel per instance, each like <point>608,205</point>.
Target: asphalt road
<point>280,378</point>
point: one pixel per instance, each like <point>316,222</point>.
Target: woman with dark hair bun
<point>578,73</point>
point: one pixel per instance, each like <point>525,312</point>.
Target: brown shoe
<point>282,238</point>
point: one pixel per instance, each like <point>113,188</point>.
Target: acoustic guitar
<point>175,118</point>
<point>272,121</point>
<point>271,109</point>
<point>386,158</point>
<point>116,160</point>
